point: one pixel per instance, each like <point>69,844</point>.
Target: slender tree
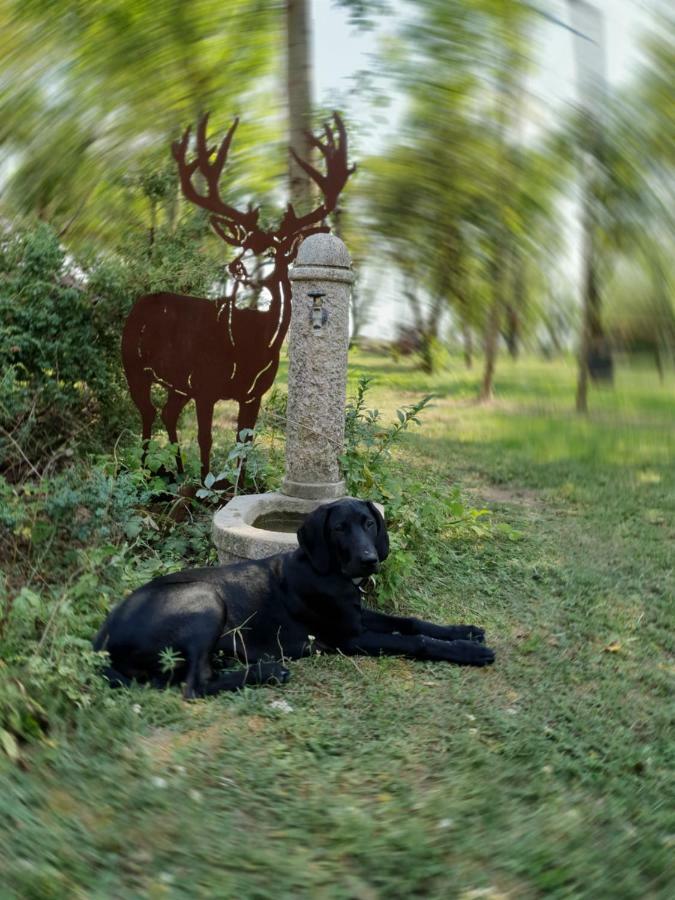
<point>299,98</point>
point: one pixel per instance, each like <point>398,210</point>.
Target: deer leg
<point>204,423</point>
<point>248,416</point>
<point>139,387</point>
<point>172,409</point>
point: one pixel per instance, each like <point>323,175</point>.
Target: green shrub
<point>421,516</point>
<point>73,544</point>
<point>59,357</point>
<point>366,460</point>
<point>62,386</point>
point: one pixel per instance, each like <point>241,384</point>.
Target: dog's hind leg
<point>198,675</point>
<point>256,673</point>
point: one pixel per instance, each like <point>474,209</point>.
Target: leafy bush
<point>75,543</point>
<point>59,356</point>
<point>421,516</point>
<point>47,332</point>
<point>368,443</point>
<point>62,385</point>
<point>173,261</point>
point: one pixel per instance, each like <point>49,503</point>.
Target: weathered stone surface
<point>324,250</point>
<point>317,375</point>
<point>235,536</point>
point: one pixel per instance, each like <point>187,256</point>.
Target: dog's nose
<point>369,559</point>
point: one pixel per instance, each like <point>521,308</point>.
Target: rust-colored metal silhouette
<point>209,350</point>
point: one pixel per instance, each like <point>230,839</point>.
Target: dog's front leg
<point>380,622</point>
<point>417,646</point>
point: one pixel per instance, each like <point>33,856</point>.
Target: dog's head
<point>348,536</point>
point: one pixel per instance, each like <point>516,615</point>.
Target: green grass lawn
<point>549,774</point>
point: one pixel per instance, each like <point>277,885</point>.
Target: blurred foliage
<point>466,202</point>
<point>363,13</point>
<point>641,313</point>
<point>92,91</point>
<point>460,204</point>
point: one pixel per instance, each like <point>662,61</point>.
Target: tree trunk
<point>410,293</point>
<point>467,339</point>
<point>172,207</point>
<point>553,326</point>
<point>427,353</point>
<point>658,360</point>
<point>508,110</point>
<point>491,346</point>
<point>299,91</point>
<point>435,316</point>
<point>515,307</point>
<point>512,331</point>
<point>591,328</point>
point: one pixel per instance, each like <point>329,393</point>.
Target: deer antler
<point>334,153</point>
<point>211,172</point>
<point>240,229</point>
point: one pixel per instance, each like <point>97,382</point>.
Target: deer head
<point>241,229</point>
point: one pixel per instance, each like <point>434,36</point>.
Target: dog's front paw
<point>471,653</point>
<point>474,633</point>
<point>467,633</point>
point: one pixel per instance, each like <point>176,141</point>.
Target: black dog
<point>271,609</point>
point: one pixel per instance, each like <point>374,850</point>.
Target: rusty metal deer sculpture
<point>209,350</point>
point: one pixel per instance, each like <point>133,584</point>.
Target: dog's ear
<point>313,539</point>
<point>382,539</point>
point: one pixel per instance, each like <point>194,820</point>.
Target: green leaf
<point>9,744</point>
<point>26,601</point>
<point>132,528</point>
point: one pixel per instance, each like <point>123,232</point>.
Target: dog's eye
<point>370,524</point>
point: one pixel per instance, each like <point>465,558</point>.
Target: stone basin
<point>253,526</point>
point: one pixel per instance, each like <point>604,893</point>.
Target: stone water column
<point>252,526</point>
<point>317,374</point>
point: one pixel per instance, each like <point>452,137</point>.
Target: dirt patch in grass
<point>519,496</point>
<point>164,743</point>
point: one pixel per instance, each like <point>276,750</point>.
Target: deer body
<point>206,362</point>
<point>209,350</point>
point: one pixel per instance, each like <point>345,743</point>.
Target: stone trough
<point>253,526</point>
